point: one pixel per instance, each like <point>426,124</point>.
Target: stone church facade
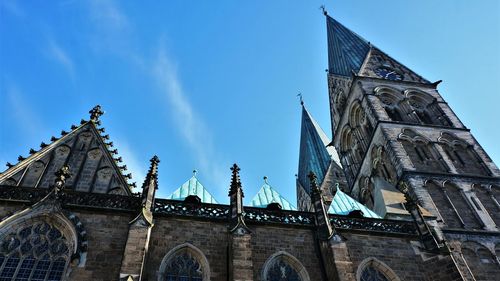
<point>402,192</point>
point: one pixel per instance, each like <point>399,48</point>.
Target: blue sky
<point>204,84</point>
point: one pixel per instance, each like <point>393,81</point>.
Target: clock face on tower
<point>388,73</point>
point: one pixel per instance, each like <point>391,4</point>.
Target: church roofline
<point>93,123</point>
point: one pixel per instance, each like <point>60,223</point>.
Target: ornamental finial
<point>312,178</point>
<point>325,12</point>
<point>235,179</point>
<point>265,179</point>
<point>95,113</point>
<point>61,176</point>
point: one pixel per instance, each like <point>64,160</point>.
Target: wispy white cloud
<point>57,53</point>
<point>191,126</point>
<point>135,167</point>
<point>107,14</point>
<point>22,112</point>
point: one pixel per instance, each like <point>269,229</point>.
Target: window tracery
<point>184,263</point>
<point>283,267</point>
<point>421,152</point>
<point>372,274</point>
<point>37,251</point>
<point>462,155</point>
<point>183,267</point>
<point>371,269</point>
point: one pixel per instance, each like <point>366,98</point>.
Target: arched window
<point>489,195</point>
<point>371,269</point>
<point>283,267</point>
<point>372,274</point>
<point>421,152</point>
<point>184,263</point>
<point>462,155</point>
<point>462,205</point>
<point>37,251</point>
<point>479,259</point>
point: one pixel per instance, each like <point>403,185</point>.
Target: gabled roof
<point>315,155</point>
<point>193,187</point>
<point>343,204</point>
<point>346,49</point>
<point>89,157</point>
<point>268,195</point>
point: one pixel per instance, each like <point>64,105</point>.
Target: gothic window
<point>479,259</point>
<point>37,251</point>
<point>280,270</point>
<point>183,267</point>
<point>372,274</point>
<point>283,267</point>
<point>393,114</point>
<point>184,263</point>
<point>489,196</point>
<point>462,155</point>
<point>371,269</point>
<point>462,206</point>
<point>421,152</point>
<point>445,207</point>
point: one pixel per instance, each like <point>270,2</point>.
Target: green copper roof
<point>193,187</point>
<point>343,204</point>
<point>315,154</point>
<point>268,195</point>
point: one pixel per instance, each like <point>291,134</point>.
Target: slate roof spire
<point>346,49</point>
<point>315,154</point>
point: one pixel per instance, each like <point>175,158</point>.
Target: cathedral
<point>401,191</point>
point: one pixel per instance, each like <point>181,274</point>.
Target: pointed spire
<point>346,49</point>
<point>237,215</point>
<point>95,113</point>
<point>325,229</point>
<point>150,184</point>
<point>235,180</point>
<point>315,154</point>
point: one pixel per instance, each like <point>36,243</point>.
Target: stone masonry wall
<point>211,238</point>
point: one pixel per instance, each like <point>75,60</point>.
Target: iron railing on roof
<point>218,212</point>
<point>373,225</point>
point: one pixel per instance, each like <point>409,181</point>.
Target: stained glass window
<point>183,267</point>
<point>280,270</point>
<point>35,252</point>
<point>372,274</point>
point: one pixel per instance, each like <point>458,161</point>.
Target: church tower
<point>396,134</point>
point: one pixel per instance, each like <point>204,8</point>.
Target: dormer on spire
<point>95,113</point>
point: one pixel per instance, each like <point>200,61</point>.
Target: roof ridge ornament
<point>95,113</point>
<point>323,9</point>
<point>265,180</point>
<point>235,180</point>
<point>195,172</point>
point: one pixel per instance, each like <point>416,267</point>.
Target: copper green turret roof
<point>193,187</point>
<point>343,204</point>
<point>315,155</point>
<point>267,195</point>
<point>346,49</point>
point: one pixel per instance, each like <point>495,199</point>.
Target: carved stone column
<point>240,248</point>
<point>140,229</point>
<point>335,257</point>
